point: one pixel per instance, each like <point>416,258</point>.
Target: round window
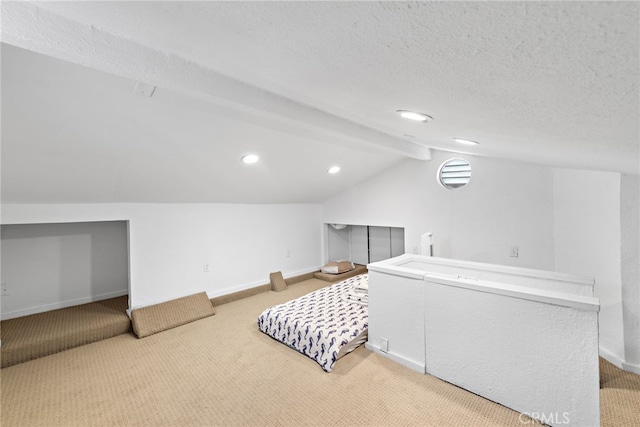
<point>454,173</point>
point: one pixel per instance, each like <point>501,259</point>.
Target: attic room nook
<point>363,244</point>
<point>48,266</point>
<point>559,182</point>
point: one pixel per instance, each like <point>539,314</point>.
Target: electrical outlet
<point>384,345</point>
<point>144,89</point>
<point>205,267</point>
<point>5,290</point>
<point>514,252</point>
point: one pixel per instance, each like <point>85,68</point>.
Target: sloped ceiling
<point>306,85</point>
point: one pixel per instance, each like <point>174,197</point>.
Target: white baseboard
<point>610,357</point>
<point>629,367</point>
<point>245,286</point>
<point>301,272</point>
<point>238,288</point>
<point>618,361</point>
<point>62,304</point>
<point>398,359</point>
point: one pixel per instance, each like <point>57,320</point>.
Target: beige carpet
<point>221,371</point>
<point>619,396</point>
<point>41,334</point>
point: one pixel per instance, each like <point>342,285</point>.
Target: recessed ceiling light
<point>334,169</point>
<point>250,158</point>
<point>465,141</point>
<point>413,115</point>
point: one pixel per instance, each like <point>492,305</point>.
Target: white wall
<point>472,332</point>
<point>170,243</point>
<point>587,234</point>
<point>505,204</point>
<point>358,244</point>
<point>517,349</point>
<point>338,244</point>
<point>630,268</point>
<point>561,220</point>
<point>50,266</point>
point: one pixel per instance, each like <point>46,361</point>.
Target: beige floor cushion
<point>160,317</point>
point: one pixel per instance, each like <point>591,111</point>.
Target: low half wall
<point>533,350</point>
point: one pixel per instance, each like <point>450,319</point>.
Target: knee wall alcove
<point>46,266</point>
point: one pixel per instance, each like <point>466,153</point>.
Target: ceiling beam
<point>34,28</point>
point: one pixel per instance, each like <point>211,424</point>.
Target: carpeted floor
<point>221,371</point>
<point>619,396</point>
<point>41,334</point>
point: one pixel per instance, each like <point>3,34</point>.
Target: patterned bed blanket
<point>319,324</point>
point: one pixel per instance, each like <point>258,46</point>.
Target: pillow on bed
<point>337,267</point>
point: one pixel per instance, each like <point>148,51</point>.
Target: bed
<point>325,324</point>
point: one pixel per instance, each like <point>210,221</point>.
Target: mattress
<point>323,325</point>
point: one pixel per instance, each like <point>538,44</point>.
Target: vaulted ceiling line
<point>27,26</point>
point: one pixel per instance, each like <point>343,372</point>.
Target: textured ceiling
<point>553,83</point>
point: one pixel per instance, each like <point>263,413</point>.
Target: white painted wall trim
<point>472,265</point>
<point>245,286</point>
<point>396,267</point>
<point>635,369</point>
<point>242,287</point>
<point>418,367</point>
<point>547,297</point>
<point>610,357</point>
<point>388,268</point>
<point>620,363</point>
<point>63,304</point>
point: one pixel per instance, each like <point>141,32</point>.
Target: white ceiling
<point>306,85</point>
